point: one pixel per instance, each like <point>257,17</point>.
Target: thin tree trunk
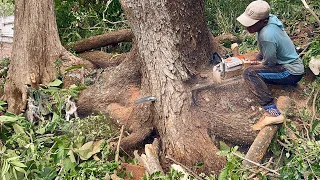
<point>36,49</point>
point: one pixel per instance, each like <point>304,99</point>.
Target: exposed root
<point>70,60</point>
<point>102,59</point>
<point>112,87</point>
<point>136,139</point>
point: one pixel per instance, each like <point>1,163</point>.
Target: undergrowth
<point>79,19</point>
<point>295,149</point>
<point>48,146</point>
<point>6,7</point>
<point>221,19</point>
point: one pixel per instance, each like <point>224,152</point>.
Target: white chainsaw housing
<point>227,68</point>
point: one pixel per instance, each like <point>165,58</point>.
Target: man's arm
<point>259,56</point>
<point>269,52</point>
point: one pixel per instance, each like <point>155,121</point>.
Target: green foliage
<point>78,19</point>
<point>284,10</point>
<point>221,15</point>
<point>248,44</point>
<point>233,169</point>
<point>313,51</point>
<point>301,160</point>
<point>53,147</point>
<point>173,174</point>
<point>96,127</point>
<point>6,7</point>
<point>295,158</point>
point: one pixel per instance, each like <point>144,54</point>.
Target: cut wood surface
<point>124,35</point>
<point>259,147</point>
<point>150,160</point>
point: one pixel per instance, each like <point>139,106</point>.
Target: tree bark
<point>124,35</point>
<point>102,59</point>
<point>36,48</point>
<point>113,88</point>
<point>172,39</point>
<point>261,143</point>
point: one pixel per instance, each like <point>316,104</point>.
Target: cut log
<point>103,40</point>
<point>262,141</point>
<point>259,147</point>
<point>150,160</point>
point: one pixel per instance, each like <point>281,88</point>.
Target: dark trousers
<point>258,76</point>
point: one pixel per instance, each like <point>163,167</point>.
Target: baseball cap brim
<point>246,21</point>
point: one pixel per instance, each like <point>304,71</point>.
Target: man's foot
<point>268,119</point>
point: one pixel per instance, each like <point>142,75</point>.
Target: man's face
<point>257,26</point>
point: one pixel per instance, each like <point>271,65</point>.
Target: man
<point>280,63</point>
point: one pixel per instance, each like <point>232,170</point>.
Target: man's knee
<point>249,71</point>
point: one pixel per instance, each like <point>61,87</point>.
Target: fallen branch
<point>102,59</point>
<point>277,165</point>
<point>261,143</point>
<point>186,168</point>
<point>260,169</point>
<point>305,49</point>
<point>118,146</point>
<point>310,10</point>
<point>227,37</point>
<point>309,97</point>
<point>257,164</point>
<point>150,160</point>
<point>314,108</point>
<point>116,159</point>
<point>103,40</point>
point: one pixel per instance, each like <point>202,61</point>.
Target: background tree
<point>36,51</point>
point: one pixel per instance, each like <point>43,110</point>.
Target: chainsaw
<point>229,67</point>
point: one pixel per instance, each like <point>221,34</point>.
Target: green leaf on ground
<point>55,83</point>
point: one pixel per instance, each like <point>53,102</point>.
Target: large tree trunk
<point>36,48</point>
<point>173,41</point>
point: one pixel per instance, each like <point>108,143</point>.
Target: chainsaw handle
<point>215,54</point>
<point>222,62</point>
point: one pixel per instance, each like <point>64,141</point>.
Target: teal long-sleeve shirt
<point>276,47</point>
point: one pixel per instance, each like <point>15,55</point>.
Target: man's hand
<point>255,62</point>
